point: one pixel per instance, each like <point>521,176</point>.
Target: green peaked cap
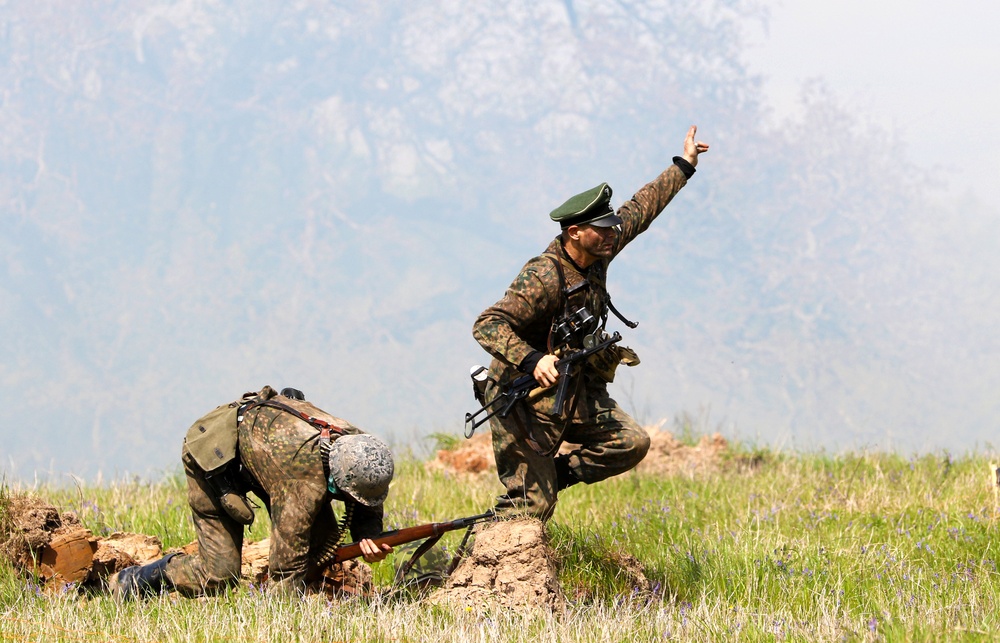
<point>592,206</point>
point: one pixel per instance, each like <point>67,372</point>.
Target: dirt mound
<point>511,564</point>
<point>349,578</point>
<point>255,561</point>
<point>471,457</point>
<point>37,539</point>
<point>666,456</point>
<point>138,548</point>
<point>27,526</point>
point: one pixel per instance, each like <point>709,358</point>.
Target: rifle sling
<point>463,549</point>
<point>424,547</point>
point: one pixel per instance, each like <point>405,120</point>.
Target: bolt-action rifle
<point>526,386</point>
<point>432,532</point>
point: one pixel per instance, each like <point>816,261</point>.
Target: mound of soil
<point>39,540</point>
<point>511,564</point>
<point>666,456</point>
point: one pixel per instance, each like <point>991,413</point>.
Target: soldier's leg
<point>611,443</point>
<point>530,479</point>
<point>295,505</point>
<point>220,542</point>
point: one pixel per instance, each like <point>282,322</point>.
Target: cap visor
<point>606,221</point>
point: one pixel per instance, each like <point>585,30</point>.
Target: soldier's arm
<point>366,521</point>
<point>527,300</point>
<point>639,212</point>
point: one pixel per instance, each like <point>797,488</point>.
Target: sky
<point>925,71</point>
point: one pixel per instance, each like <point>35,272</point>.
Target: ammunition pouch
<point>211,440</point>
<point>605,363</point>
<point>232,495</point>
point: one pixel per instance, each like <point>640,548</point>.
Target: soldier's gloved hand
<point>546,372</point>
<point>371,551</point>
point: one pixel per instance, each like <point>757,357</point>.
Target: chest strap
<point>558,261</point>
<point>326,429</point>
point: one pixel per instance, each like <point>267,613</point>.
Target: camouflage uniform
<point>280,456</point>
<point>524,443</point>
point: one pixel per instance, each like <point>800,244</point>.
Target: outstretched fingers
<point>693,148</point>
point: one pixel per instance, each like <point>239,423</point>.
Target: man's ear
<point>572,232</point>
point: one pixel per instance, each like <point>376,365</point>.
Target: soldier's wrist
<point>529,363</point>
<point>685,166</point>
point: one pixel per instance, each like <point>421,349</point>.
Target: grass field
<point>863,546</point>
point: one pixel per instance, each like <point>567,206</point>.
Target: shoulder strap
<point>326,429</point>
<point>558,261</point>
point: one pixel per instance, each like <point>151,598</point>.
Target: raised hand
<point>691,148</point>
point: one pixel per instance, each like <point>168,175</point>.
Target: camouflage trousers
<point>609,442</point>
<point>281,453</point>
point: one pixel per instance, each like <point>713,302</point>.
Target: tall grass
<point>861,546</point>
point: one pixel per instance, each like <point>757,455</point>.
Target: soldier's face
<point>598,242</point>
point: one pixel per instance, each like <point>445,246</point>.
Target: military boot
<point>564,475</point>
<point>143,581</point>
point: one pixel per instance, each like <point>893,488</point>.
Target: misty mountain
<point>201,198</point>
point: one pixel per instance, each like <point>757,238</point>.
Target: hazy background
<point>198,198</point>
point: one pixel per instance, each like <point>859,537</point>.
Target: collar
<point>562,248</point>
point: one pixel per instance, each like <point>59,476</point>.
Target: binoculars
<point>572,328</point>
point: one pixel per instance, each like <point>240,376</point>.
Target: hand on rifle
<point>545,372</point>
<point>371,552</point>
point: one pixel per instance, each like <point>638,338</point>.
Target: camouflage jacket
<point>282,454</point>
<point>519,324</point>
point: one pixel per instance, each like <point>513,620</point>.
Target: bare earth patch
<point>667,455</point>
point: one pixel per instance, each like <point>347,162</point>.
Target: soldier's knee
<point>221,574</point>
<point>638,444</point>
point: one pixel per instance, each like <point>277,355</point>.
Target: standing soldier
<point>557,304</point>
<point>296,459</point>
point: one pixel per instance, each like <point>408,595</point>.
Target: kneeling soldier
<point>296,459</point>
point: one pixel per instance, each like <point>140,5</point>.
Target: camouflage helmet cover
<point>361,466</point>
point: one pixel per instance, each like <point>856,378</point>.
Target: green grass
<point>778,546</point>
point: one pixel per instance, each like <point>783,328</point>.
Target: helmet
<point>361,466</point>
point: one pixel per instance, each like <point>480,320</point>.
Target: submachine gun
<point>526,386</point>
